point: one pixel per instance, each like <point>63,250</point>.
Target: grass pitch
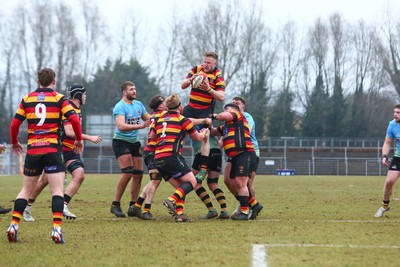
<point>306,221</point>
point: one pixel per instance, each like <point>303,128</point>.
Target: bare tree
<point>315,120</point>
<point>304,78</point>
<point>364,38</point>
<point>40,22</point>
<point>281,117</point>
<point>67,44</point>
<point>255,77</point>
<point>244,44</point>
<point>24,57</point>
<point>340,44</point>
<point>169,61</point>
<point>130,44</point>
<point>388,49</point>
<point>260,51</point>
<point>319,45</point>
<point>290,58</point>
<point>96,41</point>
<point>379,91</point>
<point>8,53</point>
<point>222,33</point>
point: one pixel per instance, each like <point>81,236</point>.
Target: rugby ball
<point>199,79</point>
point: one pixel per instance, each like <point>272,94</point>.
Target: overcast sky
<point>277,12</point>
<point>152,14</point>
<point>304,12</point>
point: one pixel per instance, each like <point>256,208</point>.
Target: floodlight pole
<point>285,138</point>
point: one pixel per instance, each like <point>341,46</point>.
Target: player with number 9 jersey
<point>43,109</point>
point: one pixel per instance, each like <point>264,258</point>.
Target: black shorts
<point>254,162</point>
<point>395,164</point>
<point>148,158</point>
<point>190,112</point>
<point>240,165</point>
<point>214,160</point>
<point>71,155</point>
<point>49,163</point>
<point>75,160</point>
<point>174,166</point>
<point>121,147</point>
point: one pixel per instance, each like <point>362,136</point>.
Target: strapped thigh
<point>75,165</point>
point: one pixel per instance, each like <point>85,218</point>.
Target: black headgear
<point>155,101</point>
<point>232,106</point>
<point>76,91</point>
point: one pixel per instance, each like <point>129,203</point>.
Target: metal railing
<point>306,156</point>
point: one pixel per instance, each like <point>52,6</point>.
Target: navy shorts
<point>174,166</point>
<point>71,155</point>
<point>121,147</point>
<point>240,165</point>
<point>148,158</point>
<point>49,163</point>
<point>214,160</point>
<point>254,162</point>
<point>395,164</point>
<point>190,112</point>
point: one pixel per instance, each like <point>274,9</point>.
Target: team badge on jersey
<point>41,97</point>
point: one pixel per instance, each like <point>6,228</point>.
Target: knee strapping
<point>212,180</point>
<point>131,170</point>
<point>128,170</point>
<point>137,172</point>
<point>75,165</point>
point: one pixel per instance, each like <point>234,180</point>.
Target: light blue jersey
<point>252,125</point>
<point>197,144</point>
<point>393,132</point>
<point>132,113</point>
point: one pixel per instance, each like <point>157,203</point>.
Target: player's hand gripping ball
<point>200,78</point>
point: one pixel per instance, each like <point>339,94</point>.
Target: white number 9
<point>40,111</point>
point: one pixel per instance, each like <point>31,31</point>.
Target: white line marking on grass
<point>259,256</point>
<point>332,221</point>
<point>334,246</point>
<point>353,221</point>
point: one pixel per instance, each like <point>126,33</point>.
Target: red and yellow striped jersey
<point>68,142</point>
<point>171,129</point>
<point>200,99</point>
<point>236,135</point>
<point>151,144</point>
<point>43,109</point>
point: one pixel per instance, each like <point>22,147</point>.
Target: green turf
<point>307,221</point>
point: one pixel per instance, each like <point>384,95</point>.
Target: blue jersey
<point>132,114</point>
<point>252,125</point>
<point>197,144</point>
<point>393,132</point>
